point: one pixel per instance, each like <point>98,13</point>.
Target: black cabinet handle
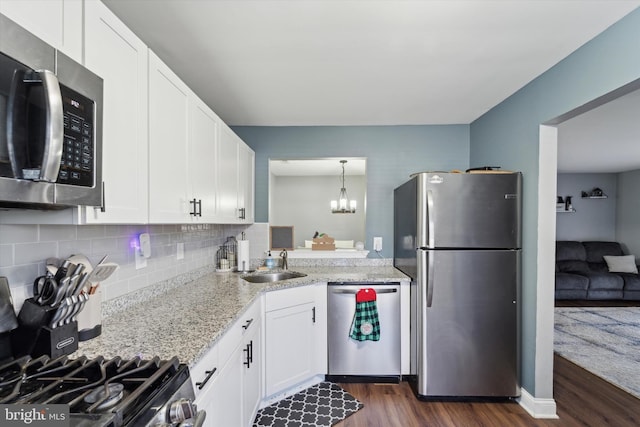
<point>193,210</point>
<point>251,351</point>
<point>246,325</point>
<point>247,361</point>
<point>313,314</point>
<point>206,379</point>
<point>199,207</point>
<point>242,213</point>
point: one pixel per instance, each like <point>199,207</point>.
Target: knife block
<point>34,337</point>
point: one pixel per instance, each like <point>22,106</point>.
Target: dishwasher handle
<point>353,291</point>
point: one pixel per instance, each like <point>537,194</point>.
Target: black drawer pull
<point>247,324</point>
<point>207,378</point>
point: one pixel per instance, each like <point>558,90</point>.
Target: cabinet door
<point>115,53</point>
<point>251,375</point>
<point>246,167</point>
<point>227,176</point>
<point>57,22</point>
<point>202,158</point>
<point>290,346</point>
<point>168,144</point>
<point>223,400</point>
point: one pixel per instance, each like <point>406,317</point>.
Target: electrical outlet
<point>141,261</point>
<point>180,251</point>
<point>377,244</point>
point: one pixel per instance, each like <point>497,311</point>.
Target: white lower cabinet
<point>295,337</point>
<point>234,366</point>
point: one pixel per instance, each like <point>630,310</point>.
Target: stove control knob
<point>182,409</point>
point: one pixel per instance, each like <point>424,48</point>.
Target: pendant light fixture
<point>343,204</point>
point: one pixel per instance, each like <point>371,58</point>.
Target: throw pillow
<point>621,264</point>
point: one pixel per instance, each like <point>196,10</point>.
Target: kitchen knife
<point>59,314</point>
<point>84,278</point>
<point>82,300</point>
<point>72,302</point>
<point>61,292</point>
<point>62,271</point>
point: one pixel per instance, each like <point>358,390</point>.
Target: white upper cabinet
<point>203,141</point>
<point>246,174</point>
<point>227,176</point>
<point>115,53</point>
<point>183,143</point>
<point>235,172</point>
<point>57,22</point>
<point>168,144</point>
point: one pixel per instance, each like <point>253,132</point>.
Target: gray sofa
<point>582,273</point>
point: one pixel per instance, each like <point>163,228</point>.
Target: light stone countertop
<point>187,320</point>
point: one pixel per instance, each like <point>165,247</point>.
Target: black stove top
<point>98,392</point>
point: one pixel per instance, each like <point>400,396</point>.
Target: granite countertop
<point>185,321</point>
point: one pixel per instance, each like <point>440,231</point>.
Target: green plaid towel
<point>366,324</point>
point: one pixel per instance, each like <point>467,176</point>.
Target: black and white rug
<point>603,340</point>
<point>323,404</point>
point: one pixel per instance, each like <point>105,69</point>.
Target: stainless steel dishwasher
<point>349,357</point>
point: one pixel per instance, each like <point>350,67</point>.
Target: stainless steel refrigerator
<point>458,236</point>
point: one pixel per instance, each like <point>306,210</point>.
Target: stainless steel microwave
<point>50,125</point>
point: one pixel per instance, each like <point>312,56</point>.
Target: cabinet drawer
<point>247,322</point>
<point>206,370</point>
<point>276,300</point>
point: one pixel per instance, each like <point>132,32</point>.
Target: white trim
<point>547,183</point>
<point>276,397</point>
<point>538,408</point>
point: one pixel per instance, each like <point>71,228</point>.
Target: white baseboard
<point>270,400</point>
<point>537,408</point>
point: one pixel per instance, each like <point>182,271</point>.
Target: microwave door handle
<point>54,127</point>
<point>16,124</point>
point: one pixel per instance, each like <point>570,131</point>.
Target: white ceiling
<point>384,62</point>
<point>362,62</point>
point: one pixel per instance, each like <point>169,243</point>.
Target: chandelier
<point>343,204</point>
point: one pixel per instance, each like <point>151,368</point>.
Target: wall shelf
<point>572,210</point>
<point>596,193</point>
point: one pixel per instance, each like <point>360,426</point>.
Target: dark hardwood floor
<point>582,399</point>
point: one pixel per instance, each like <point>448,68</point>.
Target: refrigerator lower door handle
<point>430,266</point>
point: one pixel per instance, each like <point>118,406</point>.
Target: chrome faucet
<point>283,255</point>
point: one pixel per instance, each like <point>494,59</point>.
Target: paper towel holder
<point>281,237</point>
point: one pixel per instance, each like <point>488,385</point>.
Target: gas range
<point>104,392</point>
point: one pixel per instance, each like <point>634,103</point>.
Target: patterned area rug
<point>323,404</point>
<point>603,340</point>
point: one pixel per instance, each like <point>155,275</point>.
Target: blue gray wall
<point>509,135</point>
<point>392,152</point>
<point>627,218</point>
<point>593,219</point>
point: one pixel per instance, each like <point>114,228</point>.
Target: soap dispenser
<point>269,262</point>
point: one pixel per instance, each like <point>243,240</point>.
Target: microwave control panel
<point>78,152</point>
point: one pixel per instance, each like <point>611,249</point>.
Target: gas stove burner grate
<point>105,396</point>
<point>104,392</point>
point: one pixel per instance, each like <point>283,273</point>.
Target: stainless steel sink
<point>272,277</point>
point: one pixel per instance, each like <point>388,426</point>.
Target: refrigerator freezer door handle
<point>430,211</point>
<point>430,263</point>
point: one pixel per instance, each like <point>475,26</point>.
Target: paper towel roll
<point>243,255</point>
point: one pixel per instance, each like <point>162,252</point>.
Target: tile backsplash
<point>24,249</point>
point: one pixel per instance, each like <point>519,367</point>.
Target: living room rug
<point>602,340</point>
<point>323,404</point>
